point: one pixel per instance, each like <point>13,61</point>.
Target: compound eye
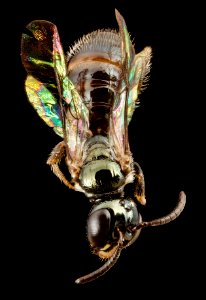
<point>98,227</point>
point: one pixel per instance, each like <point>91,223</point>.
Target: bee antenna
<point>106,267</point>
<point>168,218</point>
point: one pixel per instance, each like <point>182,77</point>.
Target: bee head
<point>106,220</point>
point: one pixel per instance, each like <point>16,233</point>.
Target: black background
<point>47,245</point>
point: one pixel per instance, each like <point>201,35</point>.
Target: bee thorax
<point>100,172</point>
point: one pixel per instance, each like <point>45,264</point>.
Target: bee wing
<point>44,103</point>
<point>74,112</point>
<point>135,69</point>
<point>40,84</point>
<point>48,87</point>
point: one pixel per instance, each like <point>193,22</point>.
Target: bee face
<point>106,220</point>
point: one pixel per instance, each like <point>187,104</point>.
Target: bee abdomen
<point>95,68</point>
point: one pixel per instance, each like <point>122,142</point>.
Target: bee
<point>88,97</point>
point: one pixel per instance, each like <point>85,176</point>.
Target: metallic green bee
<point>89,96</point>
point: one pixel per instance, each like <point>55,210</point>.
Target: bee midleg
<point>139,192</point>
<point>54,160</point>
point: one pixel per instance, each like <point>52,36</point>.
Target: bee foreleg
<point>54,160</point>
<point>139,192</point>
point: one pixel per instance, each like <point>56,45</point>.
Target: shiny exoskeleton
<point>89,96</point>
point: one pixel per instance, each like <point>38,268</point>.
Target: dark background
<point>47,245</point>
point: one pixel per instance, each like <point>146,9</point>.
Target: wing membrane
<point>134,71</point>
<point>50,90</point>
<point>40,85</point>
<point>44,103</point>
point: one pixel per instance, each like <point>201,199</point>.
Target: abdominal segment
<point>95,69</point>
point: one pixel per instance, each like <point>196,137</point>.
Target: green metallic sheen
<point>44,103</point>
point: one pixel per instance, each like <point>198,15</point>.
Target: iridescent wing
<point>74,111</point>
<point>134,72</point>
<point>49,89</point>
<point>40,84</point>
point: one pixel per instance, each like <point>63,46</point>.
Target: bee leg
<point>139,192</point>
<point>54,160</point>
